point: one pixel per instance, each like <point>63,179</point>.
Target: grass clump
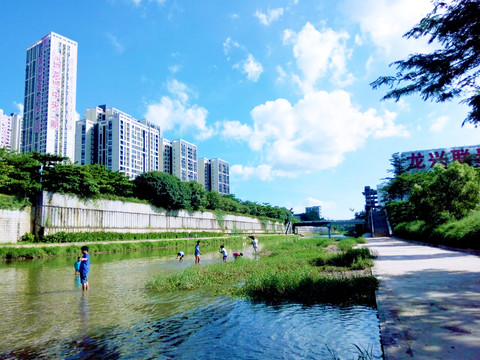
<point>284,272</point>
<point>353,259</point>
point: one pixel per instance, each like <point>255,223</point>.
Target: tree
<point>448,193</point>
<point>110,182</point>
<point>162,190</point>
<point>197,195</point>
<point>400,187</point>
<point>70,179</point>
<point>450,71</point>
<point>20,174</point>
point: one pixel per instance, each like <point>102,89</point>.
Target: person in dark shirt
<point>84,267</point>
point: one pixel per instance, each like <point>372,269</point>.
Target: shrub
<point>28,237</point>
<point>461,233</point>
<point>63,237</point>
<point>414,230</point>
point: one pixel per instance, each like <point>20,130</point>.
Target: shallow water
<point>45,314</point>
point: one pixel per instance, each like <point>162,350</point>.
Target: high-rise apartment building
<point>184,160</point>
<point>204,176</point>
<point>220,176</point>
<point>50,95</point>
<point>10,131</point>
<point>214,174</point>
<point>5,131</point>
<point>115,139</point>
<point>165,156</point>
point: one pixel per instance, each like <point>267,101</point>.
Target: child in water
<point>236,255</point>
<point>197,253</point>
<point>180,256</point>
<point>224,253</point>
<point>254,242</point>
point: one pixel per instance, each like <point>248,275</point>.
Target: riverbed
<point>45,314</point>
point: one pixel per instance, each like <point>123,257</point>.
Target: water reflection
<point>44,314</point>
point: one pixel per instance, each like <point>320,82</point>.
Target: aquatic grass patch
<point>286,273</point>
<point>353,259</point>
<point>313,288</point>
<point>215,278</point>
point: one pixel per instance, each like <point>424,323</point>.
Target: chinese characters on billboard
<point>424,160</point>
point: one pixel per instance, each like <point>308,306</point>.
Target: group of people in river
<point>82,267</point>
<point>223,251</point>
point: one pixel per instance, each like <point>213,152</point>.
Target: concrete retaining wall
<point>56,212</point>
<point>14,224</point>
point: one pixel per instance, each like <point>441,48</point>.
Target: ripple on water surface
<point>235,329</point>
<point>46,316</point>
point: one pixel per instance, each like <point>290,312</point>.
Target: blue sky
<point>278,89</point>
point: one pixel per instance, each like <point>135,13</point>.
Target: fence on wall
<point>56,212</point>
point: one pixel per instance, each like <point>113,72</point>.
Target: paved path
<point>428,301</point>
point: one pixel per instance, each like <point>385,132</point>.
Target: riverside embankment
<point>428,300</point>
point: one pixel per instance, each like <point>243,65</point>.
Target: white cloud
<point>236,130</point>
<point>269,17</point>
<point>439,123</point>
<point>19,107</point>
<point>282,75</point>
<point>138,2</point>
<point>179,90</point>
<point>174,69</point>
<point>319,53</point>
<point>120,48</point>
<point>175,112</point>
<point>251,67</point>
<point>385,22</point>
<point>314,134</point>
<point>262,172</point>
<point>228,45</point>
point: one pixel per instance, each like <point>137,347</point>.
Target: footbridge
<point>328,224</point>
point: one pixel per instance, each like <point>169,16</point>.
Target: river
<point>45,314</point>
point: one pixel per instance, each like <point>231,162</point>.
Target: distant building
<point>16,138</point>
<point>165,156</point>
<point>5,131</point>
<point>10,131</point>
<point>50,96</point>
<point>315,209</point>
<point>184,160</point>
<point>220,176</point>
<point>371,198</point>
<point>204,173</point>
<point>110,137</point>
<point>214,174</point>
